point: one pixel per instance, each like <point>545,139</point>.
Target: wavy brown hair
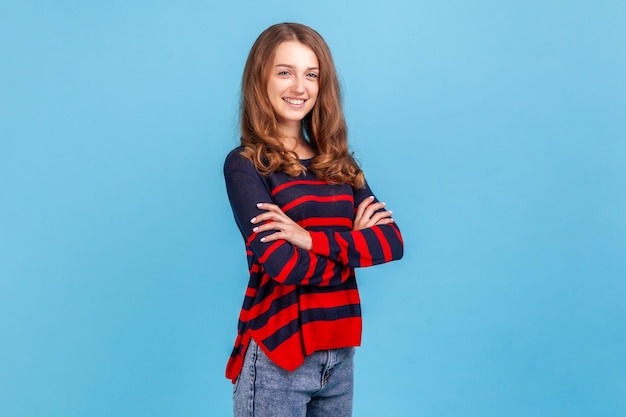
<point>324,126</point>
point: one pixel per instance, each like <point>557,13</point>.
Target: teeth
<point>293,101</point>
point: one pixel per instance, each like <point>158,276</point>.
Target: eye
<point>312,75</point>
<point>283,73</point>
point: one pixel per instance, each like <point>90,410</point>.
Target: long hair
<point>324,126</point>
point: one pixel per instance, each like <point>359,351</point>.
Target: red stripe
<point>291,183</point>
<point>251,292</point>
<point>250,239</point>
<point>326,221</point>
<point>260,308</point>
<point>322,335</point>
<point>321,199</point>
<point>277,321</point>
<point>235,362</point>
<point>383,242</point>
<point>328,274</point>
<point>270,250</point>
<point>329,300</point>
<point>288,354</point>
<point>343,248</point>
<point>395,229</point>
<point>311,270</point>
<point>360,244</point>
<point>320,243</point>
<point>286,270</point>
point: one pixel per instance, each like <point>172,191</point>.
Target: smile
<point>294,101</point>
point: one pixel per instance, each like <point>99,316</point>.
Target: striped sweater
<point>298,301</point>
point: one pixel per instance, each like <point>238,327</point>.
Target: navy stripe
<point>266,290</point>
<point>275,308</point>
<point>375,248</point>
<point>320,267</point>
<point>330,314</point>
<point>350,284</point>
<point>236,351</point>
<point>397,248</point>
<point>336,279</point>
<point>282,334</point>
<point>261,294</point>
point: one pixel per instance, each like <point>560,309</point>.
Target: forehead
<point>294,53</point>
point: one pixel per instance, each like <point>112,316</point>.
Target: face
<point>293,84</point>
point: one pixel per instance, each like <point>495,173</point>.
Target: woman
<point>308,219</point>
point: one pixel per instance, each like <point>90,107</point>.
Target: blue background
<point>495,130</point>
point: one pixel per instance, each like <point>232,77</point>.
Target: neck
<point>293,143</point>
<point>291,136</point>
<point>291,130</point>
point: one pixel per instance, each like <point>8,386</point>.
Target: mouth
<point>294,101</point>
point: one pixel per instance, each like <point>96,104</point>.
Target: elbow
<point>398,244</point>
<point>398,251</point>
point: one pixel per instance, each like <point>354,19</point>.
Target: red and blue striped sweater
<point>298,301</point>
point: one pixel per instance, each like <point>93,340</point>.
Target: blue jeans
<point>321,387</point>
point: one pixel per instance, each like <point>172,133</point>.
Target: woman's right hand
<point>367,214</point>
<point>274,219</point>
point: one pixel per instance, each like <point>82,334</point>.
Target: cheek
<point>313,89</point>
<point>274,88</point>
<point>314,93</point>
<point>271,90</point>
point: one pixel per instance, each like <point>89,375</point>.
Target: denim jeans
<point>321,387</point>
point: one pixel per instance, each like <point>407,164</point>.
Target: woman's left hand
<point>370,214</point>
<point>287,229</point>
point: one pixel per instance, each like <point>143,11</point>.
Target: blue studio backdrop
<point>495,131</point>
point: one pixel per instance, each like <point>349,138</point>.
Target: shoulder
<point>234,155</point>
<point>235,161</point>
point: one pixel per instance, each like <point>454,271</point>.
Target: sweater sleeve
<point>360,248</point>
<point>283,261</point>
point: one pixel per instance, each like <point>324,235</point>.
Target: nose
<point>298,85</point>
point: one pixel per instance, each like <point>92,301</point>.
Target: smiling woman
<point>292,89</point>
<point>271,145</point>
<point>308,219</point>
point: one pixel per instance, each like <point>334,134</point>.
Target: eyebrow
<point>292,67</point>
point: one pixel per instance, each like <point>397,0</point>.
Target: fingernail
<point>253,220</point>
<point>259,204</point>
<point>262,239</point>
<point>384,204</point>
<point>390,212</point>
<point>371,197</point>
<point>255,229</point>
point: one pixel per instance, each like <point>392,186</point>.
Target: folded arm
<point>375,237</point>
<point>283,260</point>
